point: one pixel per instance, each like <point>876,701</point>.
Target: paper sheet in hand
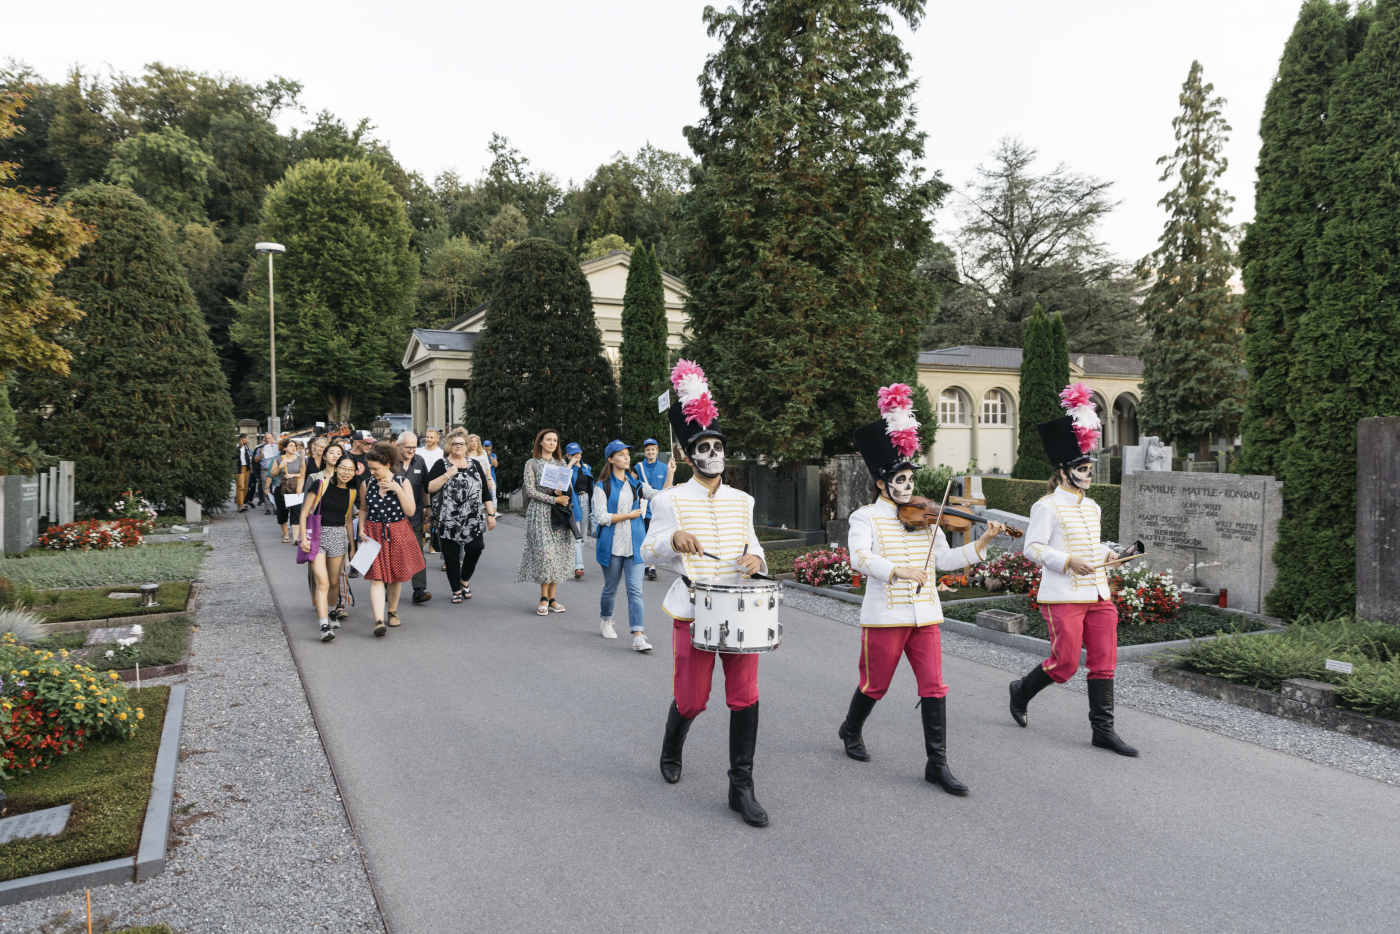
<point>364,556</point>
<point>663,401</point>
<point>293,499</point>
<point>557,478</point>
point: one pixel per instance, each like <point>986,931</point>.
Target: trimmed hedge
<point>1018,496</point>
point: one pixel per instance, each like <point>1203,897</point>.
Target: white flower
<point>110,653</point>
<point>136,630</point>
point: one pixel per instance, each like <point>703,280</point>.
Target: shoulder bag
<point>313,526</point>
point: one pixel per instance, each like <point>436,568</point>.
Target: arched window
<point>950,408</point>
<point>995,410</point>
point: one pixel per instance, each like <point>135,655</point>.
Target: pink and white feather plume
<point>896,404</point>
<point>693,392</point>
<point>1078,400</point>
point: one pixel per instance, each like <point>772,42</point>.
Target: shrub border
<point>155,829</point>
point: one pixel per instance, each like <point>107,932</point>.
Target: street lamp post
<point>269,249</point>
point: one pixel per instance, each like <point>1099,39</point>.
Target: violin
<point>921,512</point>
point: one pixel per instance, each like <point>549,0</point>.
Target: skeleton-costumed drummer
<point>688,521</point>
<point>901,611</point>
<point>1063,538</point>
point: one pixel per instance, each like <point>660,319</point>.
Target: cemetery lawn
<point>1193,622</point>
<point>163,642</point>
<point>71,605</point>
<point>766,534</point>
<point>117,566</point>
<point>108,785</point>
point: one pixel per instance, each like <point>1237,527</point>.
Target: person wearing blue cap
<point>618,501</point>
<point>491,455</point>
<point>654,472</point>
<point>579,493</point>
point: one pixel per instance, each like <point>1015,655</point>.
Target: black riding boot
<point>743,736</point>
<point>1101,717</point>
<point>1035,681</point>
<point>861,705</point>
<point>935,713</point>
<point>676,728</point>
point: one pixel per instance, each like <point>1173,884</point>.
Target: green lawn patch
<point>75,605</point>
<point>118,566</point>
<point>1193,622</point>
<point>767,534</point>
<point>780,560</point>
<point>1264,662</point>
<point>108,785</point>
<point>163,642</point>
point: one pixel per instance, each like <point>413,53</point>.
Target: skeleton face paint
<point>901,486</point>
<point>1081,476</point>
<point>708,457</point>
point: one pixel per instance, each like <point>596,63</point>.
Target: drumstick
<point>934,540</point>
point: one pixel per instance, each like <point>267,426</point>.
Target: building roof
<point>1009,358</point>
<point>446,340</point>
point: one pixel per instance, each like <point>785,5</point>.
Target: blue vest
<point>605,532</point>
<point>656,478</point>
<point>573,492</point>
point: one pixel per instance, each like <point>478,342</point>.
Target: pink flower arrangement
<point>94,535</point>
<point>823,567</point>
<point>896,404</point>
<point>693,391</point>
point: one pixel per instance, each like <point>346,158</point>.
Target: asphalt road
<point>501,772</point>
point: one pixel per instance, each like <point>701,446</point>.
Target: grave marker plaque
<point>50,822</point>
<point>1230,521</point>
<point>20,513</point>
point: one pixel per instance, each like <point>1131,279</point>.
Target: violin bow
<point>934,540</point>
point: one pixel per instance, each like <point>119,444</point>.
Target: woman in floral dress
<point>464,511</point>
<point>549,553</point>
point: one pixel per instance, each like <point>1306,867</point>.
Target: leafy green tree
<point>1040,396</point>
<point>807,217</point>
<point>604,245</point>
<point>168,169</point>
<point>644,358</point>
<point>1288,188</point>
<point>1193,381</point>
<point>454,281</point>
<point>539,362</point>
<point>1346,345</point>
<point>145,405</point>
<point>344,290</point>
<point>38,167</point>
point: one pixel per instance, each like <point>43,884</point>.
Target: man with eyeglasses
<point>1064,539</point>
<point>703,528</point>
<point>413,472</point>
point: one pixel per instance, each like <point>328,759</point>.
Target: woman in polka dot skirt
<point>385,505</point>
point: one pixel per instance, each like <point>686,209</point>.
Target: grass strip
<point>108,785</point>
<point>1192,622</point>
<point>766,534</point>
<point>65,606</point>
<point>118,566</point>
<point>163,642</point>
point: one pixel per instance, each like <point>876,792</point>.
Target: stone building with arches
<point>975,392</point>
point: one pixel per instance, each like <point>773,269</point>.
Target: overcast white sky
<point>1092,83</point>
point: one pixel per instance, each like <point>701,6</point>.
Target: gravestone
<point>852,490</point>
<point>50,822</point>
<point>111,634</point>
<point>1231,522</point>
<point>20,513</point>
<point>1378,519</point>
<point>1013,520</point>
<point>65,497</point>
<point>1148,454</point>
<point>193,511</point>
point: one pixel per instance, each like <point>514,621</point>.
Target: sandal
<point>466,591</point>
<point>379,629</point>
<point>543,609</point>
<point>556,606</point>
<point>394,618</point>
<point>286,540</point>
<point>456,596</point>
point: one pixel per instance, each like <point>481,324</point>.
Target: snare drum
<point>736,615</point>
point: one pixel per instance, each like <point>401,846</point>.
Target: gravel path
<point>261,840</point>
<point>1137,688</point>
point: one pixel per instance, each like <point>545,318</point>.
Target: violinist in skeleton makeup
<point>704,529</point>
<point>901,610</point>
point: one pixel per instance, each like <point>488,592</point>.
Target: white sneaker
<point>640,643</point>
<point>607,628</point>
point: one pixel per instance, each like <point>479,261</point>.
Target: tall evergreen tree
<point>145,405</point>
<point>1346,349</point>
<point>644,331</point>
<point>1040,396</point>
<point>1193,367</point>
<point>344,290</point>
<point>806,220</point>
<point>1287,222</point>
<point>1059,336</point>
<point>539,362</point>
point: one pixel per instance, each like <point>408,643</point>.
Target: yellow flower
<point>55,671</point>
<point>24,674</point>
<point>99,713</point>
<point>103,699</point>
<point>139,714</point>
<point>121,716</point>
<point>78,705</point>
<point>112,675</point>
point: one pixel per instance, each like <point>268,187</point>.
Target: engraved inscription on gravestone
<point>1218,527</point>
<point>49,822</point>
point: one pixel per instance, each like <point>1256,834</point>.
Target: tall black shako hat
<point>693,414</point>
<point>1069,439</point>
<point>889,445</point>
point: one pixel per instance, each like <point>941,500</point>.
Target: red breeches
<point>1092,626</point>
<point>694,670</point>
<point>880,648</point>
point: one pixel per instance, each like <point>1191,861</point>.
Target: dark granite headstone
<point>1378,519</point>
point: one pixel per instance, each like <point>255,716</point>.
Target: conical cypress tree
<point>643,348</point>
<point>1193,366</point>
<point>1346,352</point>
<point>145,405</point>
<point>1286,225</point>
<point>1059,376</point>
<point>1040,396</point>
<point>539,362</point>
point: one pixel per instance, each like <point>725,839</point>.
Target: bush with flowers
<point>1144,597</point>
<point>94,535</point>
<point>823,567</point>
<point>132,506</point>
<point>1013,572</point>
<point>50,706</point>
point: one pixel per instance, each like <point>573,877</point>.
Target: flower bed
<point>94,535</point>
<point>822,567</point>
<point>132,506</point>
<point>1192,622</point>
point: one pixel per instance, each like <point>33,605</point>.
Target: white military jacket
<point>722,520</point>
<point>1065,524</point>
<point>879,543</point>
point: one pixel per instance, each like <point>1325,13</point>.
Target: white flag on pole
<point>663,401</point>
